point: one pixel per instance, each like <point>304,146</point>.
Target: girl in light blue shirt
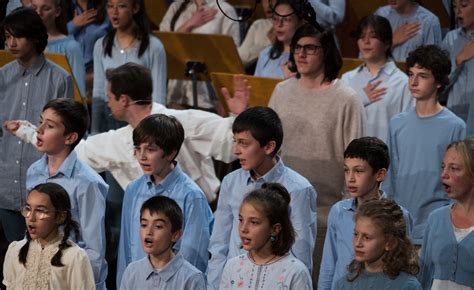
<point>384,257</point>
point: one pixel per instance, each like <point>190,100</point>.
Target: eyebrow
<point>154,220</point>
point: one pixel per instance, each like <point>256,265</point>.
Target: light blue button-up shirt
<point>397,98</point>
<point>338,248</point>
<point>197,223</point>
<point>461,85</point>
<point>329,13</point>
<point>270,68</point>
<point>88,192</point>
<point>154,59</point>
<point>429,33</point>
<point>178,274</point>
<point>225,240</point>
<point>417,146</point>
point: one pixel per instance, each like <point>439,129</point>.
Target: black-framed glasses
<point>39,212</point>
<point>309,49</point>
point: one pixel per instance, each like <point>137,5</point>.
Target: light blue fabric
<point>154,58</point>
<point>225,240</point>
<point>23,93</point>
<point>178,274</point>
<point>12,5</point>
<point>87,35</point>
<point>197,223</point>
<point>461,85</point>
<point>397,99</point>
<point>379,281</point>
<point>338,249</point>
<point>72,50</point>
<point>87,191</point>
<point>417,147</point>
<point>429,33</point>
<point>270,68</point>
<point>442,257</point>
<point>329,13</point>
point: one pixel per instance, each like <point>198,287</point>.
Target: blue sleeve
<point>388,185</point>
<point>328,262</point>
<point>99,72</point>
<point>408,221</point>
<point>331,13</point>
<point>127,282</point>
<point>76,61</point>
<point>303,218</point>
<point>158,72</point>
<point>195,282</point>
<point>262,58</point>
<point>124,256</point>
<point>425,275</point>
<point>220,239</point>
<point>91,204</point>
<point>72,28</point>
<point>432,32</point>
<point>196,232</point>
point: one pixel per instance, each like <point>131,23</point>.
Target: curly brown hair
<point>388,216</point>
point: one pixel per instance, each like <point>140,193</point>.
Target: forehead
<point>51,114</point>
<point>452,155</point>
<point>352,162</point>
<point>308,40</point>
<point>419,69</point>
<point>367,226</point>
<point>36,198</point>
<point>247,135</point>
<point>283,9</point>
<point>251,210</point>
<point>155,215</point>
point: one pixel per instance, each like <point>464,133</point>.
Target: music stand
<point>194,56</point>
<point>260,92</point>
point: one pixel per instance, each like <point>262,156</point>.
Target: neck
<point>136,113</point>
<point>126,34</point>
<point>314,81</point>
<point>375,266</point>
<point>465,205</point>
<point>157,178</point>
<point>161,260</point>
<point>53,33</point>
<point>263,256</point>
<point>28,60</point>
<point>373,193</point>
<point>263,168</point>
<point>469,30</point>
<point>374,65</point>
<point>56,160</point>
<point>407,9</point>
<point>428,107</point>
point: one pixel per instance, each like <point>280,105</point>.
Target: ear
<point>176,235</point>
<point>381,174</point>
<point>71,138</point>
<point>61,217</point>
<point>58,11</point>
<point>276,229</point>
<point>136,7</point>
<point>391,244</point>
<point>171,156</point>
<point>124,100</point>
<point>269,147</point>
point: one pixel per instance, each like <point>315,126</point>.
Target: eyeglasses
<point>309,49</point>
<point>283,20</point>
<point>40,213</point>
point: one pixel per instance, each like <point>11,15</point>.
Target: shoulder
<point>296,181</point>
<point>264,54</point>
<point>155,43</point>
<point>236,175</point>
<point>347,76</point>
<point>383,11</point>
<point>287,84</point>
<point>72,44</point>
<point>135,185</point>
<point>439,213</point>
<point>99,44</point>
<point>402,117</point>
<point>15,246</point>
<point>406,281</point>
<point>427,15</point>
<point>56,69</point>
<point>74,253</point>
<point>191,272</point>
<point>451,118</point>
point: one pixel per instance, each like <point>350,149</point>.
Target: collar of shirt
<point>273,174</point>
<point>35,68</point>
<point>388,68</point>
<point>414,13</point>
<point>168,182</point>
<point>168,271</point>
<point>350,203</point>
<point>463,34</point>
<point>65,169</point>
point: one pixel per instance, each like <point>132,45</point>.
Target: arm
<point>331,13</point>
<point>196,281</point>
<point>388,185</point>
<point>80,274</point>
<point>230,27</point>
<point>224,283</point>
<point>158,71</point>
<point>65,88</point>
<point>251,47</point>
<point>329,259</point>
<point>425,275</point>
<point>196,231</point>
<point>432,32</point>
<point>354,120</point>
<point>127,281</point>
<point>76,60</point>
<point>91,206</point>
<point>220,238</point>
<point>9,273</point>
<point>124,256</point>
<point>303,218</point>
<point>301,280</point>
<point>99,72</point>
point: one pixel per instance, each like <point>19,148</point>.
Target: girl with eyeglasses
<point>47,258</point>
<point>273,60</point>
<point>380,85</point>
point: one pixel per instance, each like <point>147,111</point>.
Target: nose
<point>236,150</point>
<point>40,129</point>
<point>414,81</point>
<point>444,173</point>
<point>358,241</point>
<point>243,227</point>
<point>11,42</point>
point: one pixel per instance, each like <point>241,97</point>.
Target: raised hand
<point>200,17</point>
<point>11,125</point>
<point>373,92</point>
<point>238,102</point>
<point>466,53</point>
<point>405,32</point>
<point>85,18</point>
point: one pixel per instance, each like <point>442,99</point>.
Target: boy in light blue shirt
<point>161,222</point>
<point>366,162</point>
<point>62,125</point>
<point>258,135</point>
<point>157,140</point>
<point>419,137</point>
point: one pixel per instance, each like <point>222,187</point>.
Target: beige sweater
<point>318,126</point>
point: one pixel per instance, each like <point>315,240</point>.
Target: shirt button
<point>17,162</point>
<point>19,142</point>
<point>24,104</point>
<point>15,181</point>
<point>26,84</point>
